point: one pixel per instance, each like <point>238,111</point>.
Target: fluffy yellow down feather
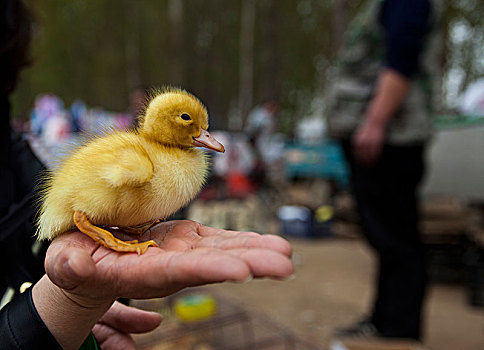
<point>126,178</point>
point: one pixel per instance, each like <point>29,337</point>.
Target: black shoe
<point>361,329</point>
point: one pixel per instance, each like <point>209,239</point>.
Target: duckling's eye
<point>185,116</point>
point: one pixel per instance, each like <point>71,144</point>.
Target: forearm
<point>67,319</point>
<point>391,89</point>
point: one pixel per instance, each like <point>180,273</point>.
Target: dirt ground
<point>332,287</point>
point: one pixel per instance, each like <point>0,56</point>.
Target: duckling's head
<point>177,118</point>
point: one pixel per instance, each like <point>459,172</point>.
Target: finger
<point>164,273</point>
<point>205,231</point>
<point>265,263</point>
<point>207,266</point>
<point>74,239</point>
<point>247,240</point>
<point>196,267</point>
<point>70,267</point>
<point>111,339</point>
<point>129,319</point>
<point>159,273</point>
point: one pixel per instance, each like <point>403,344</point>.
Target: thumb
<point>128,319</point>
<point>70,267</point>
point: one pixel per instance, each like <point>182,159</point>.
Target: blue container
<point>295,221</point>
<point>299,221</point>
<point>325,161</point>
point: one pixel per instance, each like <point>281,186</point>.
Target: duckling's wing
<point>132,167</point>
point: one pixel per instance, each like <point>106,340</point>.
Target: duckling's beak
<point>208,141</point>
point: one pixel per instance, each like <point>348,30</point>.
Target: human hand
<point>189,254</point>
<point>113,330</point>
<point>368,142</point>
<point>84,279</point>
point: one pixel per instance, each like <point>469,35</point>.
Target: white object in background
<point>337,345</point>
<point>293,212</point>
<point>57,129</point>
<point>472,100</point>
<point>455,163</point>
<point>311,131</point>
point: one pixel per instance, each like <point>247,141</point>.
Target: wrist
<point>68,317</point>
<point>375,119</point>
<point>375,122</point>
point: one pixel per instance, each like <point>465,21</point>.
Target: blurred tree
<point>177,54</point>
<point>232,54</point>
<point>132,43</point>
<point>267,66</point>
<point>339,23</point>
<point>246,60</point>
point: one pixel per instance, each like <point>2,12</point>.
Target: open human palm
<point>189,254</point>
<point>84,279</point>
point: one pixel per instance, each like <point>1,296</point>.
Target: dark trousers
<point>386,196</point>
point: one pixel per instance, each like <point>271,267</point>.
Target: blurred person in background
<point>380,111</point>
<point>77,110</point>
<point>262,119</point>
<point>75,299</point>
<point>260,128</point>
<point>137,102</point>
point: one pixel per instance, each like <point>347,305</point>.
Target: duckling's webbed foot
<point>106,238</point>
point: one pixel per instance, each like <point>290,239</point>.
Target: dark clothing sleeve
<point>20,325</point>
<point>22,328</point>
<point>405,23</point>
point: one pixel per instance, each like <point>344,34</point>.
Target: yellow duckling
<point>130,179</point>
